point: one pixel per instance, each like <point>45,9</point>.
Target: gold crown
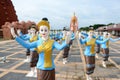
<point>43,23</point>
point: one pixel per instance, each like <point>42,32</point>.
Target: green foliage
<point>84,29</point>
<point>95,26</point>
<point>110,24</point>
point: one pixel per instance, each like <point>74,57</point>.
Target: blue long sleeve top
<point>84,34</point>
<point>106,44</point>
<point>45,50</point>
<point>25,37</point>
<point>28,37</point>
<point>90,45</point>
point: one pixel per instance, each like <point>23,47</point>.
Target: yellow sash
<point>107,44</point>
<point>91,43</point>
<point>34,38</point>
<point>46,47</point>
<point>63,38</point>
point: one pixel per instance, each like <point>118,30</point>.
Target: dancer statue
<point>44,48</point>
<point>105,48</point>
<point>89,52</point>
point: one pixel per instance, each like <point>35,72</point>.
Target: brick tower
<point>7,13</point>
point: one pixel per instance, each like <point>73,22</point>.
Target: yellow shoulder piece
<point>34,38</point>
<point>46,47</point>
<point>91,41</point>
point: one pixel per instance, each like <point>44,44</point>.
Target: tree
<point>96,26</point>
<point>110,24</point>
<point>84,29</point>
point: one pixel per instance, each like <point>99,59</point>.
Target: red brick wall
<point>17,25</point>
<point>7,13</point>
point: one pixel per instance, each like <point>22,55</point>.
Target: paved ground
<point>16,68</point>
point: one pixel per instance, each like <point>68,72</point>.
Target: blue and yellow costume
<point>34,54</point>
<point>26,37</point>
<point>44,49</point>
<point>67,48</point>
<point>30,38</point>
<point>98,37</point>
<point>45,64</point>
<point>90,45</point>
<point>89,52</point>
<point>105,48</point>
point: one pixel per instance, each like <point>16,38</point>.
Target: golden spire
<point>74,18</point>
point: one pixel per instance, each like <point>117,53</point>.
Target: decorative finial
<point>74,13</point>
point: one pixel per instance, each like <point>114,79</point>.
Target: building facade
<point>113,29</point>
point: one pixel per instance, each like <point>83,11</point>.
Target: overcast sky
<point>59,12</point>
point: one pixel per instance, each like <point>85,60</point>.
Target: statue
<point>44,48</point>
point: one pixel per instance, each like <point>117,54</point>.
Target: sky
<point>59,12</point>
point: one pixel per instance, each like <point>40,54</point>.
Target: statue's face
<point>96,33</point>
<point>105,34</point>
<point>44,31</point>
<point>64,33</point>
<point>91,33</point>
<point>28,31</point>
<point>32,31</point>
